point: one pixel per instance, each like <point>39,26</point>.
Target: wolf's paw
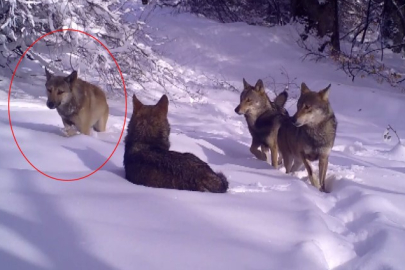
<point>262,156</point>
<point>314,181</point>
<point>323,189</point>
<point>69,132</point>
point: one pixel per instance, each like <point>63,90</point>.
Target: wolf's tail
<point>224,181</point>
<point>217,183</point>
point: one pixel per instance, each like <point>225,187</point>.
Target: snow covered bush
<point>368,30</point>
<point>22,22</point>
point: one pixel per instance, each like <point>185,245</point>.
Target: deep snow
<point>267,220</point>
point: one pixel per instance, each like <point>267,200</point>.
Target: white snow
<point>267,220</point>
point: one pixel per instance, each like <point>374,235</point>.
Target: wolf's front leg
<point>311,176</point>
<point>323,167</point>
<point>265,151</point>
<point>256,152</point>
<point>71,132</point>
<point>69,129</point>
<point>274,155</point>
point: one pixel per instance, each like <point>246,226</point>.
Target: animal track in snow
<point>258,187</point>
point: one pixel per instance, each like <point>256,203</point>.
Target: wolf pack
<point>292,141</point>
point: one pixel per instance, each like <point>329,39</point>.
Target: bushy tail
<point>225,184</point>
<point>217,184</point>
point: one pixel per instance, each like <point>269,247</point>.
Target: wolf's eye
<point>307,107</point>
<point>60,92</point>
<point>49,90</point>
<point>248,100</point>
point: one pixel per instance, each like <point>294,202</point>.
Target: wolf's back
<point>173,170</point>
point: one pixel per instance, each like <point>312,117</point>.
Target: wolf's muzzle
<point>237,110</point>
<point>295,122</point>
<point>50,105</point>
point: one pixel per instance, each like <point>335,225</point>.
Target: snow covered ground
<point>267,220</point>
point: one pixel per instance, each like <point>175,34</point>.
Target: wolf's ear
<point>245,84</point>
<point>324,93</point>
<point>48,74</point>
<point>163,104</point>
<point>281,99</point>
<point>72,77</point>
<point>136,103</point>
<point>259,86</point>
<point>304,88</point>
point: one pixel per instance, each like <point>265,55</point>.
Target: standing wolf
<point>263,118</point>
<point>309,135</point>
<point>149,162</point>
<point>78,103</point>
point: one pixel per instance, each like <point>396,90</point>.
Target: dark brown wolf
<point>80,104</point>
<point>263,118</point>
<point>149,162</point>
<point>309,135</point>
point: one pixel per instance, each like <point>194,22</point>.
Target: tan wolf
<point>79,103</point>
<point>263,119</point>
<point>149,162</point>
<point>309,135</point>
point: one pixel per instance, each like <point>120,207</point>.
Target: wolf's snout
<point>295,121</point>
<point>50,105</point>
<point>237,109</point>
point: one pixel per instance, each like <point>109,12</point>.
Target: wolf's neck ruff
<point>318,134</point>
<point>68,109</point>
<point>73,105</point>
<point>141,143</point>
<point>253,115</point>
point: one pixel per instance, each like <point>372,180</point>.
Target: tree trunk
<point>335,38</point>
<point>393,28</point>
<point>367,22</point>
<point>322,17</point>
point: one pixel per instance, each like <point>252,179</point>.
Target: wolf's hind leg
<point>84,126</point>
<point>297,165</point>
<point>101,124</point>
<point>280,158</point>
<point>287,160</point>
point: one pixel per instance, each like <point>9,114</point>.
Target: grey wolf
<point>263,118</point>
<point>309,134</point>
<point>80,104</point>
<point>149,162</point>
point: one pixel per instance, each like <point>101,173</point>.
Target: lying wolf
<point>263,118</point>
<point>79,103</point>
<point>149,162</point>
<point>309,135</point>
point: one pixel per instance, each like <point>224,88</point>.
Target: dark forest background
<point>354,34</point>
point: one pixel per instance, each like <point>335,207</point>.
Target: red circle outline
<point>9,93</point>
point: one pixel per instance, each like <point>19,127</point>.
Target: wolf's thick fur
<point>78,103</point>
<point>149,162</point>
<point>263,118</point>
<point>309,135</point>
